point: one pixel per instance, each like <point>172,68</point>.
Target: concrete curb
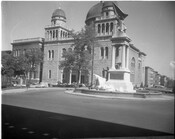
<point>25,90</point>
<point>20,90</point>
<point>71,92</point>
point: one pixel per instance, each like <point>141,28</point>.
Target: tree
<point>23,64</point>
<point>7,68</point>
<point>29,62</point>
<point>80,57</point>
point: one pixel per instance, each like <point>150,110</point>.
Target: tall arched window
<point>99,28</point>
<point>102,52</point>
<point>52,54</point>
<point>103,28</point>
<point>50,34</point>
<point>111,27</point>
<point>107,14</point>
<point>107,28</point>
<point>106,52</point>
<point>49,54</point>
<point>53,34</point>
<point>132,69</point>
<point>56,33</point>
<point>61,34</point>
<point>49,74</point>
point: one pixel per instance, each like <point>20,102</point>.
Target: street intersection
<point>83,116</point>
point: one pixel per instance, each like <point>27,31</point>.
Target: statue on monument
<point>121,28</point>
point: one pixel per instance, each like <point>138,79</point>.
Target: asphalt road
<point>150,115</point>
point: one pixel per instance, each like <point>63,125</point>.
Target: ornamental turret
<point>59,17</point>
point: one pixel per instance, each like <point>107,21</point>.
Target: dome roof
<point>59,12</point>
<point>95,11</point>
<point>109,3</point>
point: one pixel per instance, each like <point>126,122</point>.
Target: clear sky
<point>150,25</point>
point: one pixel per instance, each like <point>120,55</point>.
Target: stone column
<point>113,56</point>
<point>46,35</point>
<point>123,56</point>
<point>70,76</point>
<point>127,57</point>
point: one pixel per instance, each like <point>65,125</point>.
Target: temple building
<point>115,52</point>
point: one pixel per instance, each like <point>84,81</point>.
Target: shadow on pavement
<point>23,123</point>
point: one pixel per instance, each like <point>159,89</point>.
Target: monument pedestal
<point>119,79</point>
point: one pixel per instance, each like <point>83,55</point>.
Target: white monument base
<point>121,86</point>
<point>120,80</point>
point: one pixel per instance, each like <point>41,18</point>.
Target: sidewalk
<point>19,90</point>
<point>23,90</point>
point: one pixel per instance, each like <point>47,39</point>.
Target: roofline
<point>28,40</point>
<point>132,46</point>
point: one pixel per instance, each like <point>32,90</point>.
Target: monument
<point>119,73</point>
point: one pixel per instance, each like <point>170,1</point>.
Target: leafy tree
<point>8,63</point>
<point>30,61</point>
<point>81,56</point>
<point>22,65</point>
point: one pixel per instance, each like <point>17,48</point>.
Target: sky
<point>150,25</point>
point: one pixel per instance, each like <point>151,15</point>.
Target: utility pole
<point>92,69</point>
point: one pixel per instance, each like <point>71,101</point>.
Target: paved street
<point>150,115</point>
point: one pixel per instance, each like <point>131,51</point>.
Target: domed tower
<point>105,17</point>
<point>59,17</point>
<point>103,9</point>
<point>57,30</point>
<point>108,19</point>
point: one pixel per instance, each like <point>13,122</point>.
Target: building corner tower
<point>119,73</point>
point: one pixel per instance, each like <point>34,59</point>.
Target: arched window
<point>61,34</point>
<point>117,51</point>
<point>106,50</point>
<point>132,69</point>
<point>107,14</point>
<point>53,34</point>
<point>56,33</point>
<point>103,28</point>
<point>99,28</point>
<point>50,34</point>
<point>52,54</point>
<point>111,27</point>
<point>49,54</point>
<point>107,28</point>
<point>102,52</point>
<point>49,74</point>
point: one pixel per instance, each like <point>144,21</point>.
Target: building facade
<point>19,47</point>
<point>57,40</point>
